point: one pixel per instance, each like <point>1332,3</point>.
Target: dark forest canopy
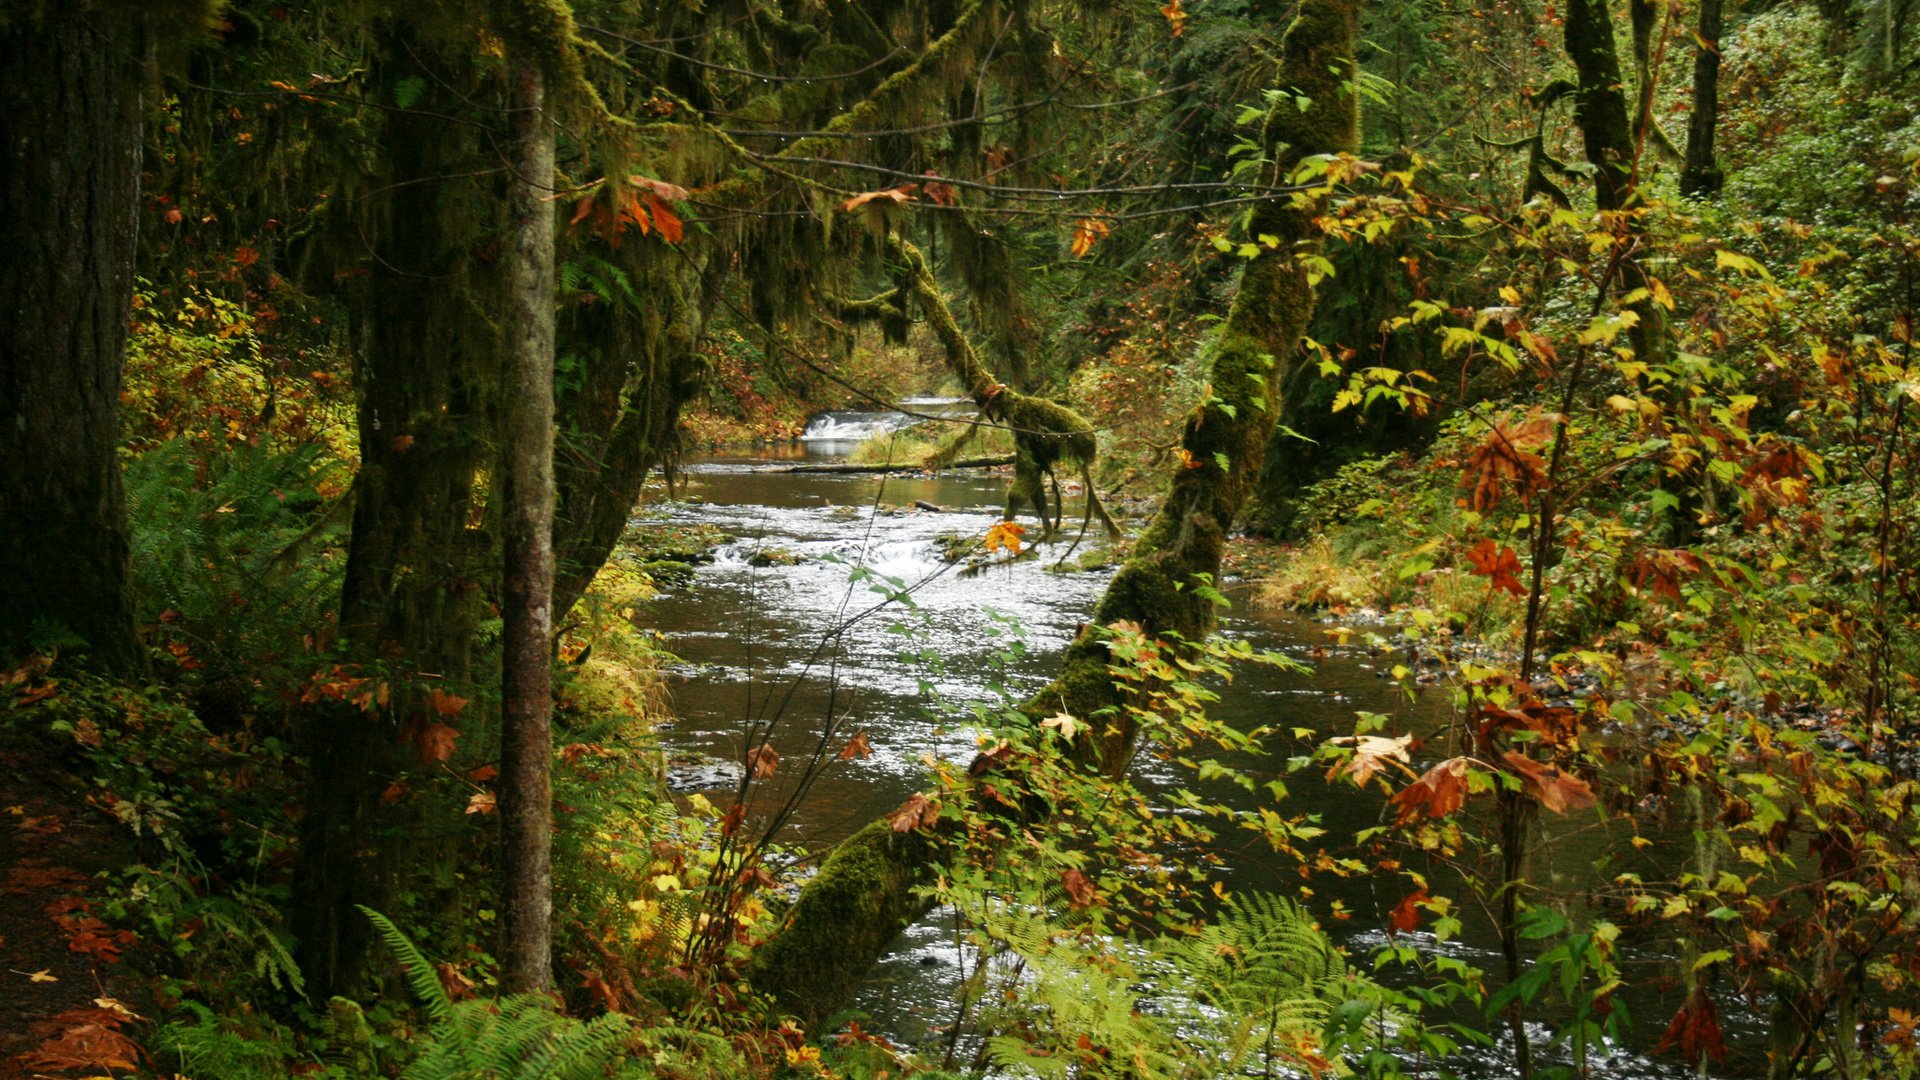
<point>1563,355</point>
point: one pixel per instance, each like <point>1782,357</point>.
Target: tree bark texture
<point>1600,110</point>
<point>70,111</point>
<point>1700,176</point>
<point>526,692</point>
<point>426,374</point>
<point>861,898</point>
<point>1600,105</point>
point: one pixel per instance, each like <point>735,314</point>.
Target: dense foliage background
<point>1563,351</point>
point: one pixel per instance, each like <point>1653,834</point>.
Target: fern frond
<point>420,974</point>
<point>580,1054</point>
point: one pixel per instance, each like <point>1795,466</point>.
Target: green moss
<point>1046,434</point>
<point>860,901</point>
<point>847,915</point>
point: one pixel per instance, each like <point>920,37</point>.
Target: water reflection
<point>786,644</point>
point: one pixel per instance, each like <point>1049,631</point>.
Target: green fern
<point>607,282</point>
<point>1251,991</point>
<point>420,974</point>
<point>200,1045</point>
<point>518,1037</point>
<point>221,548</point>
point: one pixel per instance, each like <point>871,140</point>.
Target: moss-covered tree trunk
<point>419,559</point>
<point>70,89</point>
<point>1600,110</point>
<point>1700,176</point>
<point>861,898</point>
<point>526,608</point>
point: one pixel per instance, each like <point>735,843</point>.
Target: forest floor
<point>66,986</point>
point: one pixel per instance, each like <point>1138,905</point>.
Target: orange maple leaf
<point>895,195</point>
<point>762,760</point>
<point>1087,232</point>
<point>856,747</point>
<point>1498,562</point>
<point>670,225</point>
<point>435,742</point>
<point>1005,535</point>
<point>1440,791</point>
<point>444,703</point>
<point>1547,785</point>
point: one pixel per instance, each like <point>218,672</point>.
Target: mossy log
<point>863,896</point>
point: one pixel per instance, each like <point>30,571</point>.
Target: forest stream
<point>749,632</point>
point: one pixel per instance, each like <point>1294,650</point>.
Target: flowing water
<point>768,631</point>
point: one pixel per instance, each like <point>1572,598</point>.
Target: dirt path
<point>67,999</point>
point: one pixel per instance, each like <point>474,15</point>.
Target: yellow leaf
<point>42,976</point>
<point>1064,723</point>
<point>1004,535</point>
<point>1087,232</point>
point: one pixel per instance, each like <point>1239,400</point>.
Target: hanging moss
<point>1181,548</point>
<point>1046,434</point>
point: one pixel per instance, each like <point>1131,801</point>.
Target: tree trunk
<point>70,111</point>
<point>526,707</point>
<point>1600,110</point>
<point>425,373</point>
<point>862,897</point>
<point>1700,176</point>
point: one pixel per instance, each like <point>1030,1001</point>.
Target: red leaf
<point>483,773</point>
<point>1406,914</point>
<point>435,742</point>
<point>1695,1030</point>
<point>1506,459</point>
<point>734,819</point>
<point>603,991</point>
<point>1545,784</point>
<point>89,1045</point>
<point>1079,889</point>
<point>1440,791</point>
<point>395,792</point>
<point>856,747</point>
<point>1662,571</point>
<point>917,812</point>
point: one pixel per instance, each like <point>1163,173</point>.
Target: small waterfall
<point>839,431</point>
<point>849,426</point>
